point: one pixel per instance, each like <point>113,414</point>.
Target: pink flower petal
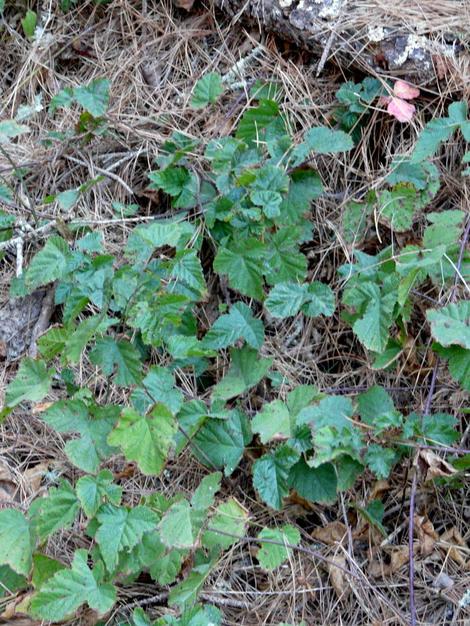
<point>383,100</point>
<point>405,90</point>
<point>401,109</point>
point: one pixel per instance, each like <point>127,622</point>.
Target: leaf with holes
<point>451,324</point>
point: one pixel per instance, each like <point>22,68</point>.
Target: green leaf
<point>55,511</point>
<point>246,370</point>
<point>158,386</point>
<point>285,299</point>
<point>348,469</point>
<point>207,90</point>
<point>145,440</point>
<point>380,460</point>
<point>229,517</point>
<point>185,593</point>
<point>316,484</point>
<point>11,582</point>
<point>121,528</point>
<point>52,342</point>
<point>68,589</point>
<point>440,428</point>
<point>16,544</point>
<point>270,555</point>
<point>29,23</point>
<point>270,475</point>
<point>372,328</point>
<point>94,97</point>
<point>44,568</point>
<point>324,140</point>
<point>79,338</point>
<point>451,324</point>
<point>67,199</point>
<point>9,129</point>
<point>433,134</point>
<point>459,363</point>
<point>175,529</point>
<point>398,206</point>
<point>242,262</point>
<point>222,441</point>
<point>49,264</point>
<point>319,300</point>
<point>73,416</point>
<point>374,514</point>
<point>330,411</point>
<point>238,324</point>
<point>179,183</point>
<point>93,491</point>
<point>377,410</point>
<point>32,382</point>
<point>122,355</point>
<point>283,260</point>
<point>273,422</point>
<point>256,119</point>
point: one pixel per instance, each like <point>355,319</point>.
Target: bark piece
<point>401,37</point>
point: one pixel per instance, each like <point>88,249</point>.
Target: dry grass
<point>152,56</point>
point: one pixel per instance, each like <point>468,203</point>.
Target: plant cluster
<point>240,209</point>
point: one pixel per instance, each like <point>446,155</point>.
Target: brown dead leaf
<point>433,466</point>
<point>184,4</point>
<point>331,534</point>
<point>16,608</point>
<point>380,487</point>
<point>40,407</point>
<point>399,557</point>
<point>8,486</point>
<point>426,534</point>
<point>336,566</point>
<point>451,540</point>
<point>33,476</point>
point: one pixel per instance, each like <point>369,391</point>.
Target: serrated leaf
<point>433,134</point>
<point>187,272</point>
<point>242,262</point>
<point>319,300</point>
<point>440,428</point>
<point>10,129</point>
<point>16,543</point>
<point>29,22</point>
<point>458,362</point>
<point>272,555</point>
<point>93,491</point>
<point>55,511</point>
<point>270,475</point>
<point>451,324</point>
<point>272,422</point>
<point>221,442</point>
<point>229,517</point>
<point>207,90</point>
<point>146,440</point>
<point>44,568</point>
<point>347,469</point>
<point>285,299</point>
<point>372,328</point>
<point>179,183</point>
<point>158,386</point>
<point>94,97</point>
<point>175,529</point>
<point>283,261</point>
<point>68,589</point>
<point>238,324</point>
<point>245,371</point>
<point>317,484</point>
<point>32,382</point>
<point>256,119</point>
<point>110,354</point>
<point>49,264</point>
<point>398,206</point>
<point>121,528</point>
<point>185,593</point>
<point>377,410</point>
<point>380,460</point>
<point>73,416</point>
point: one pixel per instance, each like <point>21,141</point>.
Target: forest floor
<point>153,56</point>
